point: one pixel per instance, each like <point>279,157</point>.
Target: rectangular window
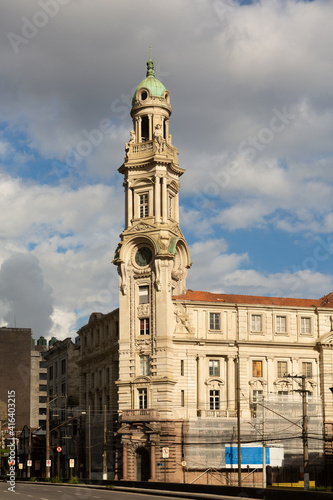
<point>257,395</point>
<point>42,364</point>
<point>282,369</point>
<point>214,321</point>
<point>42,387</point>
<point>182,398</point>
<point>144,294</point>
<point>182,369</point>
<point>63,366</point>
<point>144,326</point>
<point>42,411</point>
<point>107,381</point>
<point>281,324</point>
<point>63,388</point>
<point>256,368</point>
<point>256,324</point>
<point>144,205</point>
<point>92,381</point>
<point>51,373</point>
<point>305,325</point>
<point>214,368</point>
<point>42,399</point>
<point>43,376</point>
<point>144,365</point>
<point>143,401</point>
<point>56,369</point>
<point>214,400</point>
<point>283,394</point>
<point>100,375</point>
<point>307,369</point>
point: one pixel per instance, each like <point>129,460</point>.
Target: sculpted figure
<point>158,138</point>
<point>131,141</point>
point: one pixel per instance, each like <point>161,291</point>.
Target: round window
<point>144,95</point>
<point>143,256</point>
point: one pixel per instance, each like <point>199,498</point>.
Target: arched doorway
<point>142,464</point>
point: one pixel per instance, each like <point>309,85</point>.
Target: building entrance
<point>142,465</point>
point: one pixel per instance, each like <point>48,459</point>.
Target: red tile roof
<point>197,296</point>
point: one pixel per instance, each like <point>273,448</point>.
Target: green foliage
<point>110,486</point>
<point>74,480</point>
<point>55,479</point>
<point>33,479</point>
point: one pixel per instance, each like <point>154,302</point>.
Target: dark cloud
<point>25,294</point>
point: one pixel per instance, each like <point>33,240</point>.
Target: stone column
<point>124,462</point>
<point>150,203</point>
<point>157,199</point>
<point>177,207</point>
<point>129,197</point>
<point>166,130</point>
<point>152,462</point>
<point>139,130</point>
<point>270,374</point>
<point>200,382</point>
<point>150,127</point>
<point>164,200</point>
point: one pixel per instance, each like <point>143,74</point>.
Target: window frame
<point>278,325</point>
<point>254,327</point>
<point>255,364</point>
<point>143,205</point>
<point>144,294</point>
<point>144,327</point>
<point>279,368</point>
<point>305,366</point>
<point>309,325</point>
<point>215,321</point>
<point>214,399</point>
<point>144,365</point>
<point>214,368</point>
<point>142,398</point>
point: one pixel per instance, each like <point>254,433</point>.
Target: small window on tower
<point>144,294</point>
<point>144,129</point>
<point>144,95</point>
<point>144,205</point>
<point>170,207</point>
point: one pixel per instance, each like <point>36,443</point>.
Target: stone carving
<point>331,320</point>
<point>141,227</point>
<point>122,271</point>
<point>158,138</point>
<point>131,141</point>
<point>183,319</point>
<point>158,274</point>
<point>143,310</point>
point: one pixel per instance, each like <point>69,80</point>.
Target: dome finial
<point>150,65</point>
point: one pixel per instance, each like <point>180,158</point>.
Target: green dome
<point>155,87</point>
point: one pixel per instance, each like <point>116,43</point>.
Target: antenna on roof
<point>150,51</point>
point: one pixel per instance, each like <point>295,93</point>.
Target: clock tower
<point>152,260</point>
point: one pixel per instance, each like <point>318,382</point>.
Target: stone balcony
<point>216,413</point>
<point>139,415</point>
<point>145,150</point>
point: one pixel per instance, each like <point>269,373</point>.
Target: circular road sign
<point>59,449</point>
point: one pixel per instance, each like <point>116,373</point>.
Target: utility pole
<point>29,453</point>
<point>238,423</point>
<point>105,469</point>
<point>48,469</point>
<point>303,393</point>
<point>89,445</point>
<point>263,445</point>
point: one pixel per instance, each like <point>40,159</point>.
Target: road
<point>31,491</point>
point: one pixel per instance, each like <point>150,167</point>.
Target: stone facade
<point>182,362</point>
<point>38,386</point>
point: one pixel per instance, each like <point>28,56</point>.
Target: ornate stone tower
<point>152,260</point>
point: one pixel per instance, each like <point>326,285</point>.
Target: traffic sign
<point>165,452</point>
<point>29,463</point>
<point>48,463</point>
<point>59,449</point>
<point>71,463</point>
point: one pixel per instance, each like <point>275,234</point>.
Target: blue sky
<point>251,94</point>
